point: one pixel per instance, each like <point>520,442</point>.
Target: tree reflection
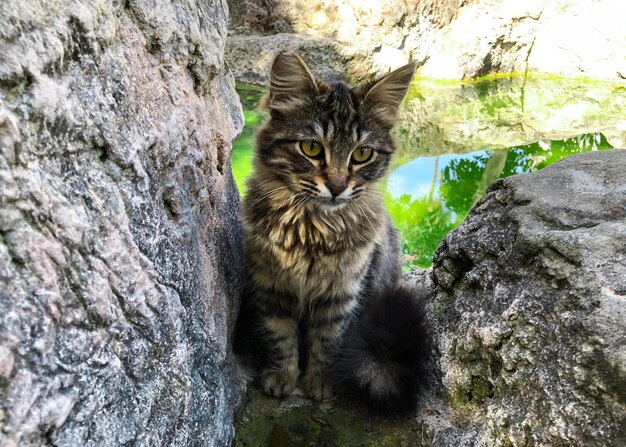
<point>459,181</point>
<point>422,224</point>
<point>424,221</point>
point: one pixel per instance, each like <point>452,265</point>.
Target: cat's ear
<point>290,80</point>
<point>385,95</point>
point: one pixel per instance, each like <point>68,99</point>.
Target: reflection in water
<point>441,117</point>
<point>428,197</point>
<point>456,138</point>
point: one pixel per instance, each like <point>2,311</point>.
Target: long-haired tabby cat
<point>321,253</point>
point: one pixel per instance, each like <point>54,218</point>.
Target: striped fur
<point>317,239</point>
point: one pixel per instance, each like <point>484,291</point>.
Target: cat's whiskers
<point>373,194</point>
<point>364,214</point>
<point>309,186</point>
<point>268,193</point>
<point>285,203</point>
<point>367,216</point>
<point>308,182</point>
<point>356,192</point>
<point>302,200</point>
<point>311,191</point>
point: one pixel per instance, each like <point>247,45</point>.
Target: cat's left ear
<point>386,94</point>
<point>290,80</point>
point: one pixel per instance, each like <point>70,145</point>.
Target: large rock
<point>449,39</point>
<point>535,35</point>
<point>530,307</point>
<point>251,56</point>
<point>119,236</point>
<point>347,38</point>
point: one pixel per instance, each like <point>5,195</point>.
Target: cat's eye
<point>312,149</point>
<point>362,154</point>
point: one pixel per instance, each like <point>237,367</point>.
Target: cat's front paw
<point>279,383</point>
<point>317,387</point>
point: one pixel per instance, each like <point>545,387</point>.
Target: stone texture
<point>449,39</point>
<point>566,37</point>
<point>530,307</point>
<point>251,56</point>
<point>344,39</point>
<point>119,236</point>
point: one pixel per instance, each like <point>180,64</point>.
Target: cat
<point>322,255</point>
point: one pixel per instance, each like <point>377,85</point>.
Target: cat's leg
<point>328,320</point>
<point>281,328</point>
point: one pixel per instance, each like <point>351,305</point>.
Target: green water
<point>455,138</point>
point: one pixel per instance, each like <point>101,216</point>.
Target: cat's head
<point>328,143</point>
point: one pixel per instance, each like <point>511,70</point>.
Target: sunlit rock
<point>347,38</point>
<point>452,39</point>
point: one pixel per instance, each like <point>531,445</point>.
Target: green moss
<point>481,389</point>
<point>460,397</point>
<point>266,421</point>
<point>470,398</point>
<point>515,75</point>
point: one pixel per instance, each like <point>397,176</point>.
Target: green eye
<point>362,154</point>
<point>311,149</point>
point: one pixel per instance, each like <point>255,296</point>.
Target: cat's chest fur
<point>313,254</point>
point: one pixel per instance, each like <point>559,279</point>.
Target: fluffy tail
<point>383,354</point>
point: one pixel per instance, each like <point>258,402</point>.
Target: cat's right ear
<point>385,95</point>
<point>290,80</point>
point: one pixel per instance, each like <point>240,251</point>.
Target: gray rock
<point>250,57</point>
<point>119,236</point>
<point>530,307</point>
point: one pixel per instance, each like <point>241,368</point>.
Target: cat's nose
<point>336,187</point>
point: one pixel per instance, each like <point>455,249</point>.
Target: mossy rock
<point>296,421</point>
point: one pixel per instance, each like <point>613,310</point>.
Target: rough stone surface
<point>531,307</point>
<point>251,56</point>
<point>535,35</point>
<point>345,39</point>
<point>119,235</point>
<point>448,39</point>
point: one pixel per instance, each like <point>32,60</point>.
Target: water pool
<point>456,137</point>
